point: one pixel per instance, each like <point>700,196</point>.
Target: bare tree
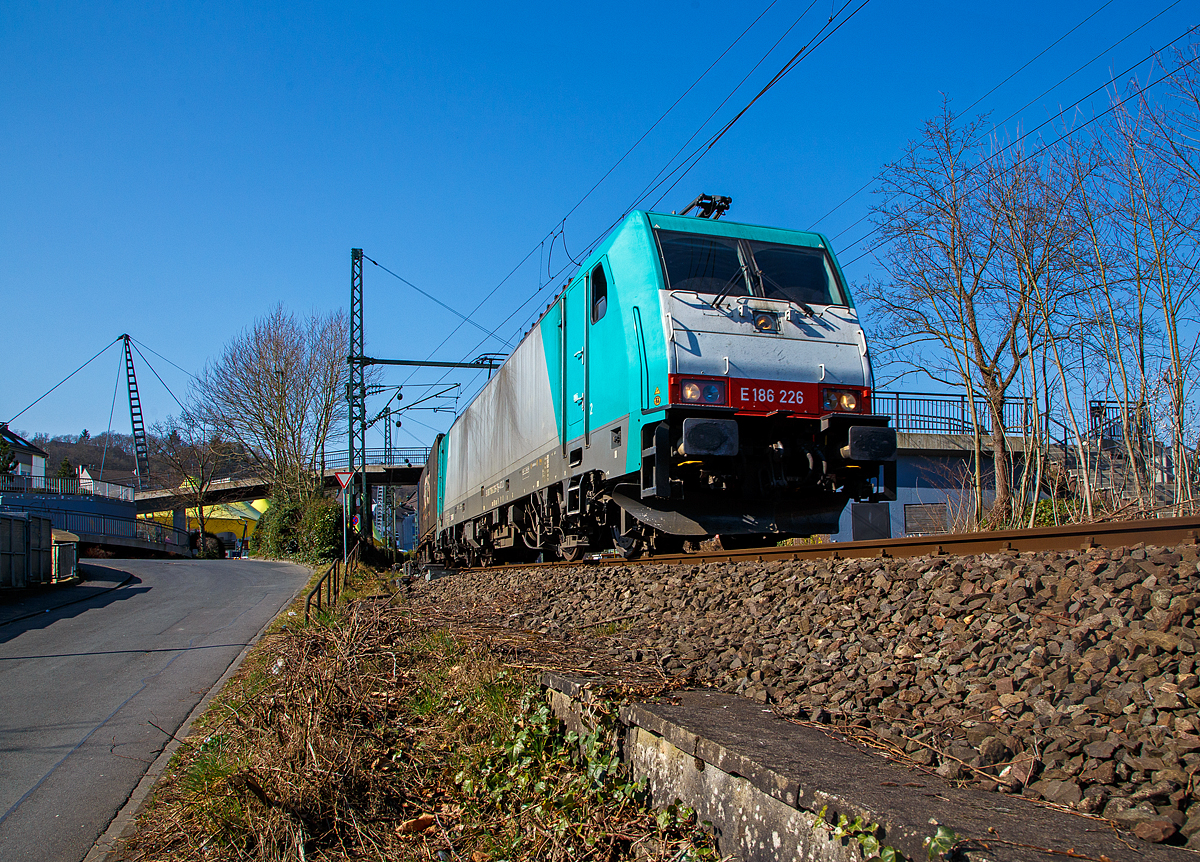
<point>1033,202</point>
<point>1162,209</point>
<point>278,388</point>
<point>942,302</point>
<point>195,454</point>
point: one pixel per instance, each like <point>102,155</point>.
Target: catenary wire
<point>864,217</point>
<point>560,226</point>
<point>805,51</point>
<point>648,188</point>
<point>815,41</point>
<point>657,181</point>
<point>1031,155</point>
<point>704,148</point>
<point>1023,67</point>
<point>430,296</point>
<point>693,85</point>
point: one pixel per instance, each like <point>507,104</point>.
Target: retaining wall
<point>774,789</point>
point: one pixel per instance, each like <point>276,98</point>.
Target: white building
<point>31,461</point>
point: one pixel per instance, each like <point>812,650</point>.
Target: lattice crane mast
<point>141,450</point>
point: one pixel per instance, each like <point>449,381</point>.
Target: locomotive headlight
<point>702,392</point>
<point>841,400</point>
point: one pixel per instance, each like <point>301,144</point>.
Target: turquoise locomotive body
<point>695,378</point>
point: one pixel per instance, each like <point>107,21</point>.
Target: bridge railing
<point>108,526</point>
<point>414,456</point>
<point>927,413</point>
<point>16,484</point>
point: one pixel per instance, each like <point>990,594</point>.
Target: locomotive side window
<point>703,264</point>
<point>797,274</point>
<point>599,293</point>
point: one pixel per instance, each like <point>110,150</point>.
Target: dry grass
<point>374,734</point>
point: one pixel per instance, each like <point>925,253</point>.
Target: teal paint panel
<point>574,321</point>
<point>628,344</point>
<point>552,346</point>
<point>608,368</point>
<point>443,452</point>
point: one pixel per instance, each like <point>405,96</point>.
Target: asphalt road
<point>91,691</point>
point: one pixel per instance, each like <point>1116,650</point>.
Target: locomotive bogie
<point>692,379</point>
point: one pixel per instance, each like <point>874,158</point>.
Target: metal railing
<point>118,528</point>
<point>330,584</point>
<point>19,484</point>
<point>927,413</point>
<point>415,456</point>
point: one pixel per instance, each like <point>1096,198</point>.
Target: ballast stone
<point>1082,664</point>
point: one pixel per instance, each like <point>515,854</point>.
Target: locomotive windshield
<point>725,266</point>
<point>704,264</point>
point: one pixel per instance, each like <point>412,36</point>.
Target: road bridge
<point>101,514</point>
<point>384,467</point>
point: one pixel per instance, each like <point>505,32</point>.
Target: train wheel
<point>630,546</point>
<point>570,554</point>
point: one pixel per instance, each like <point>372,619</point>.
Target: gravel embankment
<point>1067,677</point>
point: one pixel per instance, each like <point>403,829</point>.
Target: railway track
<point>1071,537</point>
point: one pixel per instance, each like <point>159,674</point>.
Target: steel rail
<point>1069,537</point>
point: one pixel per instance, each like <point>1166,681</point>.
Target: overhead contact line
<point>1043,148</point>
<point>1026,65</point>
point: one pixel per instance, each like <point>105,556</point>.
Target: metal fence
<point>17,484</point>
<point>415,456</point>
<point>926,413</point>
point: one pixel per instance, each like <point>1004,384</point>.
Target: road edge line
<point>123,823</point>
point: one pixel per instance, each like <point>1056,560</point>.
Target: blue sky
<point>175,170</point>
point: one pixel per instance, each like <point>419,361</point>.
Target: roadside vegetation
<point>367,734</point>
<point>309,530</point>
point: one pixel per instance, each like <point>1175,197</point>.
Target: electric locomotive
<point>695,378</point>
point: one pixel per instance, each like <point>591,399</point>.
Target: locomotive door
<point>574,333</point>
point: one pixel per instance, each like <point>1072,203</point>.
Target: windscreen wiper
<point>804,306</point>
<point>728,286</point>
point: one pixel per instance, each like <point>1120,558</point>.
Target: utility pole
<point>387,434</point>
<point>356,396</point>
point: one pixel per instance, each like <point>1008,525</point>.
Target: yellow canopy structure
<point>241,519</point>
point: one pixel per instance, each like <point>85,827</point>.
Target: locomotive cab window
<point>703,264</point>
<point>724,266</point>
<point>599,293</point>
<point>796,273</point>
